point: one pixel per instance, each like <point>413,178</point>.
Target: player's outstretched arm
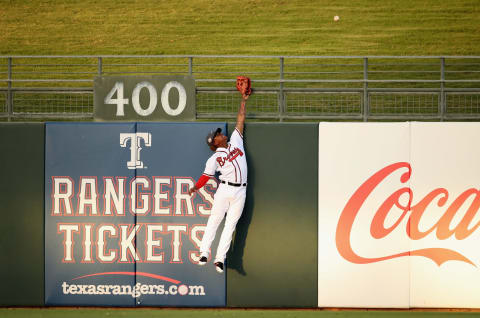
<point>241,115</point>
<point>243,85</point>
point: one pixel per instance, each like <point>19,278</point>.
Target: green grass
<point>247,27</point>
<point>227,313</point>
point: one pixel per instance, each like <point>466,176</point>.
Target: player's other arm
<point>241,115</point>
<point>200,183</point>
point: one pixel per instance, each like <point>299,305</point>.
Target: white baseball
<point>336,18</point>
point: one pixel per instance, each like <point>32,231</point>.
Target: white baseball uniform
<point>231,162</point>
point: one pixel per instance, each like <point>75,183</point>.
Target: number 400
<point>121,102</point>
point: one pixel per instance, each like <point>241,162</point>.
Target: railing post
<point>190,65</point>
<point>443,104</point>
<point>281,97</point>
<point>100,66</point>
<point>9,91</point>
<point>190,72</point>
<point>366,108</point>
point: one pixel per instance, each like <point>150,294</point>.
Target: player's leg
<point>219,207</point>
<point>233,215</point>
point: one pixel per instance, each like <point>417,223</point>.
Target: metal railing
<point>285,87</point>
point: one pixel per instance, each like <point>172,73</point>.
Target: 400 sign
<point>137,97</point>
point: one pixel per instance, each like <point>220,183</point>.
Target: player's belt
<point>234,184</point>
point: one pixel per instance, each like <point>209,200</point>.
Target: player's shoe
<point>219,267</point>
<point>203,260</point>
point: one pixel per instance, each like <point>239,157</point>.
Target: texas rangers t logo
<point>135,138</point>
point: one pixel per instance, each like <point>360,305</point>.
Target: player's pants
<point>230,200</point>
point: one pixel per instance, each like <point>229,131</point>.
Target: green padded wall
<point>273,258</point>
<point>21,227</point>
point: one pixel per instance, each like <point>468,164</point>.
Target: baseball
<point>336,18</point>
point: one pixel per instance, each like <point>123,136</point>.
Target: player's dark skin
<point>220,140</point>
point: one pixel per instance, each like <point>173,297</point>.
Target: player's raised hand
<point>244,86</point>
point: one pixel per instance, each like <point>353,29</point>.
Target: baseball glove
<point>244,85</point>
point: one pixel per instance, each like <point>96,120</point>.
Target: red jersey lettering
<point>230,157</point>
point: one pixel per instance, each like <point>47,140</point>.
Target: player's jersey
<point>231,162</point>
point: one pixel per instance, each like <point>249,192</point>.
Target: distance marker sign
<point>144,98</point>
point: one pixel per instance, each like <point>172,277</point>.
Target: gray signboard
<point>144,98</point>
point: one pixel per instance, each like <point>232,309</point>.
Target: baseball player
<point>230,160</point>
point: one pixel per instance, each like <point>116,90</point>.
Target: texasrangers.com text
<point>135,291</point>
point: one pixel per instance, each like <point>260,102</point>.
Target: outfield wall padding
<point>21,229</point>
<point>273,259</point>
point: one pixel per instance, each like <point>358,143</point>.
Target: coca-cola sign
<point>414,212</point>
<point>398,215</point>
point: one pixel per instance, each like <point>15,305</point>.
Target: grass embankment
<point>247,27</point>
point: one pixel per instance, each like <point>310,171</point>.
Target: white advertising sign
<point>398,219</point>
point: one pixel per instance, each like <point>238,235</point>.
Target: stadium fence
<point>286,88</point>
